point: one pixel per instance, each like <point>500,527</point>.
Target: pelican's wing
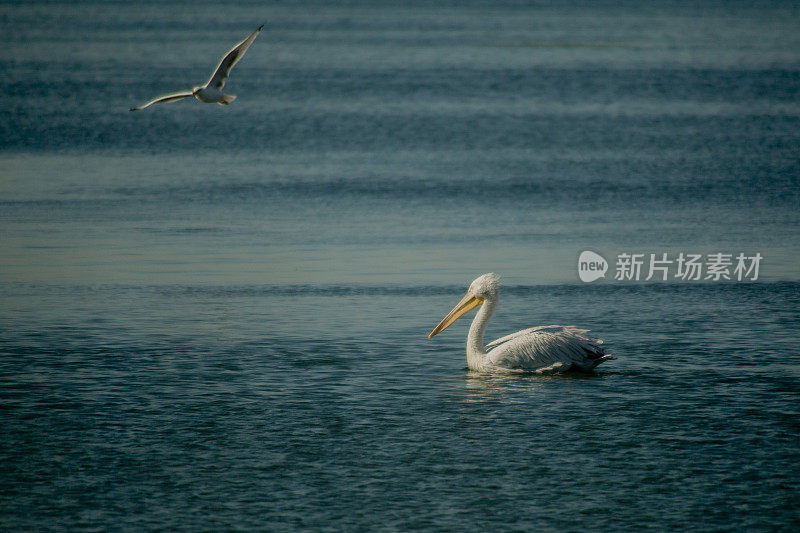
<point>524,332</point>
<point>543,346</point>
<point>164,99</point>
<point>231,58</point>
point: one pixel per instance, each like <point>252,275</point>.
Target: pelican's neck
<point>475,348</point>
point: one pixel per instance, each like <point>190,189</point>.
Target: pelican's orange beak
<point>467,303</point>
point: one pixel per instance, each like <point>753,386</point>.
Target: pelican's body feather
<point>541,347</point>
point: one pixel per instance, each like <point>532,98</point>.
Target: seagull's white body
<point>211,92</point>
<point>211,95</point>
<point>543,349</point>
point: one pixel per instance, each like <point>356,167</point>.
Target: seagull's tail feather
<point>227,99</point>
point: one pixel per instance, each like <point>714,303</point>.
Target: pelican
<point>211,92</point>
<point>542,349</point>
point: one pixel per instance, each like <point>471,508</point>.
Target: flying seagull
<point>211,92</point>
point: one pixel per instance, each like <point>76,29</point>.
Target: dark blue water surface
<point>215,317</point>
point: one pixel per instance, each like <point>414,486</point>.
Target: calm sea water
<point>215,317</point>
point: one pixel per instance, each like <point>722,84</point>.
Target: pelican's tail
<point>227,99</point>
<point>602,359</point>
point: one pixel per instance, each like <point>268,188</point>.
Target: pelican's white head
<point>484,287</point>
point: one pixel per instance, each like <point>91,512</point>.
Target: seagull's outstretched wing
<point>231,58</point>
<point>164,99</point>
